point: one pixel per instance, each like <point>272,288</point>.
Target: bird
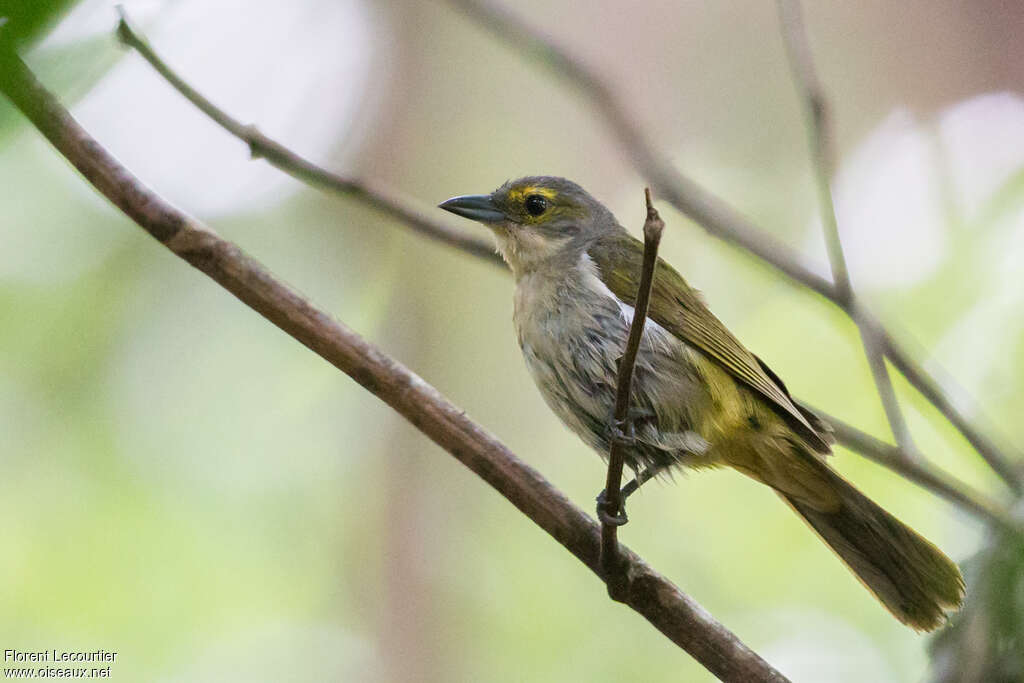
<point>699,398</point>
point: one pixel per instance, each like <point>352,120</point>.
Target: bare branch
<point>653,227</point>
<point>820,142</point>
<point>717,217</point>
<point>886,392</point>
<point>923,474</point>
<point>1010,471</point>
<point>819,133</point>
<point>279,156</point>
<point>670,610</point>
<point>905,459</point>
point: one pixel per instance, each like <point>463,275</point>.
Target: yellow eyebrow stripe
<point>518,194</point>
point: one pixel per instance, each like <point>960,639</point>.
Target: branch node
<point>653,226</point>
<point>255,140</point>
<point>619,581</point>
<point>124,33</point>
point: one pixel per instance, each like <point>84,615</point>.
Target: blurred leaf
<point>27,20</point>
<point>70,69</point>
<point>985,643</point>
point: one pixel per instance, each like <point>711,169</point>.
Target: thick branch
<point>670,610</point>
<point>717,217</point>
<point>653,227</point>
<point>279,156</point>
<point>820,142</point>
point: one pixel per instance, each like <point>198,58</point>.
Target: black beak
<point>477,207</point>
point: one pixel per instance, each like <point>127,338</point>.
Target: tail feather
<point>911,577</point>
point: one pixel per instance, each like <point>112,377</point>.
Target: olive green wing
<point>678,308</point>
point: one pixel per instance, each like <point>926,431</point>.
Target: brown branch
<point>820,142</point>
<point>720,219</point>
<point>854,443</point>
<point>279,156</point>
<point>617,586</point>
<point>670,610</point>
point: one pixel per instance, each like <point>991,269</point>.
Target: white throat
<point>524,250</point>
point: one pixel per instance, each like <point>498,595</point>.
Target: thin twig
<point>819,132</point>
<point>924,474</point>
<point>670,610</point>
<point>854,444</point>
<point>820,142</point>
<point>717,217</point>
<point>617,581</point>
<point>279,156</point>
<point>1011,472</point>
<point>875,354</point>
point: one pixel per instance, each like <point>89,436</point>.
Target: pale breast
<point>572,334</point>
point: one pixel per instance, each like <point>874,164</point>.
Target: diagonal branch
<point>667,608</point>
<point>279,156</point>
<point>820,141</point>
<point>720,219</point>
<point>929,387</point>
<point>612,502</point>
<point>923,474</point>
<point>852,438</point>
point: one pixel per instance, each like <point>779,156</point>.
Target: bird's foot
<point>609,516</point>
<point>623,431</point>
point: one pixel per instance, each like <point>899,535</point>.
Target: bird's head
<point>537,220</point>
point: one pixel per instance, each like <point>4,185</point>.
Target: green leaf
<point>69,69</point>
<point>25,21</point>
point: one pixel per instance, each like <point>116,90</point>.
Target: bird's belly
<point>580,391</point>
<point>573,357</point>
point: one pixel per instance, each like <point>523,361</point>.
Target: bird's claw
<point>624,431</point>
<point>608,517</point>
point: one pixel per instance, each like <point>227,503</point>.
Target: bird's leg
<point>629,489</point>
<point>624,433</point>
<point>642,478</point>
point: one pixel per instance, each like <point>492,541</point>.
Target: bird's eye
<point>536,205</point>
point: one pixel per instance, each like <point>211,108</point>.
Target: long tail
<point>910,576</point>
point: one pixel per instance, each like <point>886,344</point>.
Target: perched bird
<point>700,399</point>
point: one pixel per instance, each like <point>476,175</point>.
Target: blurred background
<point>188,486</point>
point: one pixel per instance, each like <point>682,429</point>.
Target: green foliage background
<point>186,485</point>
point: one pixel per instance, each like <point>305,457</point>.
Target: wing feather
<point>678,308</point>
